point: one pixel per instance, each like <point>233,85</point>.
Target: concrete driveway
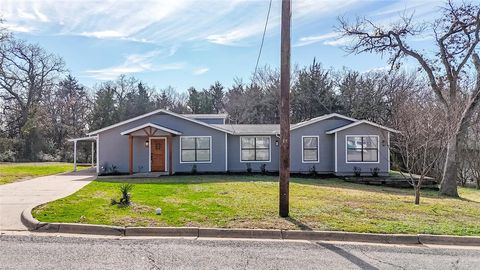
<point>15,197</point>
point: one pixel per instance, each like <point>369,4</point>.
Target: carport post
<point>93,152</point>
<point>75,155</point>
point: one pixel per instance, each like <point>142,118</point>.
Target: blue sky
<point>186,43</point>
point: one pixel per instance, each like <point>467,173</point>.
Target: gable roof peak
<point>321,118</point>
<point>153,113</point>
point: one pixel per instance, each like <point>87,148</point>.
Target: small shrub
<point>357,171</point>
<point>263,168</point>
<point>104,168</point>
<point>194,169</point>
<point>125,200</point>
<point>113,169</point>
<point>249,167</point>
<point>313,171</point>
<point>375,171</point>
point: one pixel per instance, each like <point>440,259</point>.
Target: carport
<point>94,140</point>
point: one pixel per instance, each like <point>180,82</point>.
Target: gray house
<point>166,142</point>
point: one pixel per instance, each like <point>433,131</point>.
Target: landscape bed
<point>13,172</point>
<point>229,201</point>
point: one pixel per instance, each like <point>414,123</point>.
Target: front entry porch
<point>159,141</point>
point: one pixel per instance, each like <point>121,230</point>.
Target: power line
<point>263,39</point>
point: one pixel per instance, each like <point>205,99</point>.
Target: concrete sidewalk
<point>15,197</point>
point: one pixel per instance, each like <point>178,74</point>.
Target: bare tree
<point>470,156</point>
<point>27,72</point>
<point>456,38</point>
<point>421,141</point>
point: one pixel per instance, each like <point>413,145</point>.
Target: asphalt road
<point>60,252</point>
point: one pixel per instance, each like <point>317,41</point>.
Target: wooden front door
<point>158,155</point>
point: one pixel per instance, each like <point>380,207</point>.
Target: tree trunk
<point>478,183</point>
<point>448,186</point>
<point>417,194</point>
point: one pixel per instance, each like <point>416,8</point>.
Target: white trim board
<point>226,152</point>
<point>156,112</point>
<point>318,149</point>
<point>126,132</point>
<point>336,153</point>
<point>321,118</point>
<point>359,123</point>
<point>187,162</point>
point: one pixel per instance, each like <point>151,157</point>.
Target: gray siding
<point>344,168</point>
<point>113,147</point>
<point>326,146</point>
<point>234,163</point>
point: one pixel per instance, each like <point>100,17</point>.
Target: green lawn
<point>12,172</point>
<point>252,201</point>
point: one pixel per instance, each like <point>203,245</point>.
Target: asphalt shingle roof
<point>258,129</point>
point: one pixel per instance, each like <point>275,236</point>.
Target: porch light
<point>146,143</point>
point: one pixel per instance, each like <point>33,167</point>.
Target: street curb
<point>239,233</point>
<point>448,239</point>
<point>351,237</point>
<point>406,239</point>
<point>162,231</point>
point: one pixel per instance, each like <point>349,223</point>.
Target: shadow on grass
<point>318,182</point>
<point>302,226</point>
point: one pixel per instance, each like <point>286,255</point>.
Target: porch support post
<point>93,154</point>
<point>130,146</point>
<point>75,155</point>
<point>170,155</point>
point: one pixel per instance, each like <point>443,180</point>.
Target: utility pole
<point>285,109</point>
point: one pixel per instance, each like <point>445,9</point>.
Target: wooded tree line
<point>42,105</point>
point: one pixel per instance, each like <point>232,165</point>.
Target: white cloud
<point>17,28</point>
<point>135,63</point>
<point>221,22</point>
<point>233,36</point>
<point>303,41</point>
<point>200,71</point>
<point>341,41</point>
<point>103,34</point>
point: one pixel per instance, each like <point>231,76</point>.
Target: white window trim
<point>362,162</point>
<point>150,152</point>
<point>187,162</point>
<point>257,161</point>
<point>318,149</point>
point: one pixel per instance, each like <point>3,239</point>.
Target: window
<point>362,148</point>
<point>195,149</point>
<point>255,148</point>
<point>310,149</point>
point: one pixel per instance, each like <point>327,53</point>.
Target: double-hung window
<point>195,148</point>
<point>362,148</point>
<point>254,148</point>
<point>310,149</point>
